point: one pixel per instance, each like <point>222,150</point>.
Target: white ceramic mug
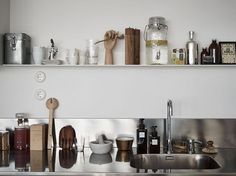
<point>72,56</point>
<point>39,54</point>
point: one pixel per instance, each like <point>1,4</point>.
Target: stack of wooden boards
<point>132,46</point>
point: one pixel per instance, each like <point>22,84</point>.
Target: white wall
<point>4,23</point>
<point>121,92</point>
<point>109,92</point>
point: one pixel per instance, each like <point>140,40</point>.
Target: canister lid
<point>157,20</point>
<point>17,36</point>
<point>3,132</point>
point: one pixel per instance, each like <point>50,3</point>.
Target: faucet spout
<point>169,115</point>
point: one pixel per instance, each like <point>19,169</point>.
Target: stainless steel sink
<point>173,161</point>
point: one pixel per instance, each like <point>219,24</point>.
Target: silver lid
<point>17,36</point>
<point>157,20</point>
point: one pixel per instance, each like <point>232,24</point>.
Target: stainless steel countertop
<point>109,164</point>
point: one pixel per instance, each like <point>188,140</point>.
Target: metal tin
<point>4,140</point>
<point>124,143</point>
<point>17,48</point>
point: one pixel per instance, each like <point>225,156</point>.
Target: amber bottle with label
<point>214,51</point>
<point>204,53</point>
<point>141,138</point>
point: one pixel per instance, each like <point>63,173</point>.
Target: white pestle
<point>100,139</point>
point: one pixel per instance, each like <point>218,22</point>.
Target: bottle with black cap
<point>141,138</point>
<point>154,141</point>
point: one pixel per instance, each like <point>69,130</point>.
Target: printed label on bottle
<point>142,134</point>
<point>214,56</point>
<point>154,141</point>
<point>151,43</point>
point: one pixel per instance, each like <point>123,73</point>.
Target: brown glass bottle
<point>214,51</point>
<point>204,53</point>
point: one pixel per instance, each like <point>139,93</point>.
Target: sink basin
<point>173,161</point>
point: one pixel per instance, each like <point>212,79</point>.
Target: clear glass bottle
<point>91,53</point>
<point>192,50</point>
<point>155,36</point>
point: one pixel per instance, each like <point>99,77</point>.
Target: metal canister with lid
<point>17,48</point>
<point>155,36</point>
<point>4,140</point>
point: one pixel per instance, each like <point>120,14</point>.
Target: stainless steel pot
<point>17,48</point>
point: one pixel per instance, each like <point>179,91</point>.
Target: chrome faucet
<point>169,115</point>
<point>191,142</point>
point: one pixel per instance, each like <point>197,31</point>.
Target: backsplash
<point>221,131</point>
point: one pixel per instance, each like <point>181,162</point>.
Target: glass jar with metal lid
<point>155,36</point>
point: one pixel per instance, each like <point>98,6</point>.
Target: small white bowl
<point>100,148</point>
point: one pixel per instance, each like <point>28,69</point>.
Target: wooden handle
<point>50,129</point>
<point>51,160</point>
<point>52,104</point>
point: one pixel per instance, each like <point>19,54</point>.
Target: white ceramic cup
<point>39,54</point>
<point>73,56</point>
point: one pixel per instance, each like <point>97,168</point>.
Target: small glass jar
<point>91,53</point>
<point>155,36</point>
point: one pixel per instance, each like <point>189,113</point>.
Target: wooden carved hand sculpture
<point>110,38</point>
<point>67,158</point>
<point>67,137</point>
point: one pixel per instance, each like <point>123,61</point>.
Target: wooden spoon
<point>52,104</point>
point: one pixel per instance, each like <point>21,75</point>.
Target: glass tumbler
<point>91,53</point>
<point>80,143</point>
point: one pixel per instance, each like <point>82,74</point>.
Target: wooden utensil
<point>119,37</point>
<point>51,159</point>
<point>52,104</point>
